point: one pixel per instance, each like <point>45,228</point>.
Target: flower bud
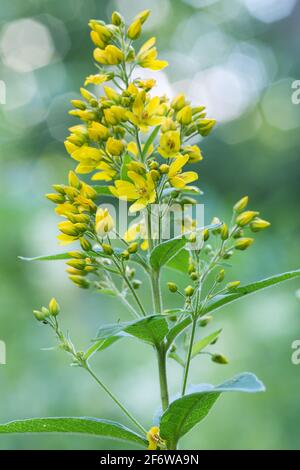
<point>136,283</point>
<point>133,248</point>
<point>233,285</point>
<point>76,263</point>
<point>155,175</point>
<point>78,104</point>
<point>178,102</point>
<point>74,180</point>
<point>143,15</point>
<point>56,198</point>
<point>245,218</point>
<point>117,19</point>
<point>220,275</point>
<point>219,359</point>
<point>125,254</point>
<point>241,204</point>
<point>224,232</point>
<point>189,290</point>
<point>85,244</point>
<point>172,287</point>
<point>228,254</point>
<point>205,320</point>
<point>154,165</point>
<point>40,316</point>
<point>216,221</point>
<point>54,307</point>
<point>205,234</point>
<point>59,188</point>
<point>80,282</point>
<point>243,243</point>
<point>107,249</point>
<point>184,116</point>
<point>194,276</point>
<point>164,168</point>
<point>205,126</point>
<point>134,30</point>
<point>259,224</point>
<point>192,238</point>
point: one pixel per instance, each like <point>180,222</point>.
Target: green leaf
<point>59,256</point>
<point>91,426</point>
<point>151,329</point>
<point>177,330</point>
<point>124,170</point>
<point>221,300</point>
<point>100,346</point>
<point>165,251</point>
<point>102,190</point>
<point>185,412</point>
<point>180,261</point>
<point>150,141</point>
<point>204,342</point>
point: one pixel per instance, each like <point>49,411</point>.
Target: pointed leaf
<point>91,426</point>
<point>165,251</point>
<point>151,329</point>
<point>124,170</point>
<point>185,412</point>
<point>204,342</point>
<point>150,141</point>
<point>56,257</point>
<point>240,292</point>
<point>102,190</point>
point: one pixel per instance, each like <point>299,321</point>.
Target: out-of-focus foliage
<point>237,57</point>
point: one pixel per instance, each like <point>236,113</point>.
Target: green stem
<point>164,394</point>
<point>128,283</point>
<point>114,398</point>
<point>189,356</point>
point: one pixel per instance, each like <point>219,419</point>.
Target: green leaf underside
<point>151,329</point>
<point>165,251</point>
<point>180,261</point>
<point>101,345</point>
<point>239,293</point>
<point>185,412</point>
<point>204,342</point>
<point>91,426</point>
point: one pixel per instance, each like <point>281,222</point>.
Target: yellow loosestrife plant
<point>135,146</point>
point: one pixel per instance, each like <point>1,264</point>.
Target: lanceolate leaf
<point>240,292</point>
<point>151,329</point>
<point>165,251</point>
<point>204,342</point>
<point>124,169</point>
<point>100,346</point>
<point>59,256</point>
<point>180,261</point>
<point>184,413</point>
<point>91,426</point>
<point>150,141</point>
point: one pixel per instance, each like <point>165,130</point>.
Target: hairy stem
<point>114,398</point>
<point>189,356</point>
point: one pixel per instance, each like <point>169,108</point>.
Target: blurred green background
<point>239,58</point>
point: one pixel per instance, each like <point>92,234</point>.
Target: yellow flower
<point>88,158</point>
<point>114,115</point>
<point>178,179</point>
<point>145,115</point>
<point>96,79</point>
<point>107,173</point>
<point>184,116</point>
<point>133,149</point>
<point>104,222</point>
<point>193,152</point>
<point>97,131</point>
<point>154,439</point>
<point>169,144</point>
<point>114,147</point>
<point>135,29</point>
<point>146,84</point>
<point>147,56</point>
<point>142,190</point>
<point>135,231</point>
<point>111,55</point>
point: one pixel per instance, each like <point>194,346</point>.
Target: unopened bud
<point>220,275</point>
<point>133,247</point>
<point>164,168</point>
<point>125,254</point>
<point>54,307</point>
<point>189,290</point>
<point>172,287</point>
<point>56,198</point>
<point>80,282</point>
<point>205,320</point>
<point>136,283</point>
<point>155,175</point>
<point>85,244</point>
<point>241,204</point>
<point>107,249</point>
<point>243,243</point>
<point>259,224</point>
<point>116,18</point>
<point>224,232</point>
<point>233,285</point>
<point>245,218</point>
<point>219,359</point>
